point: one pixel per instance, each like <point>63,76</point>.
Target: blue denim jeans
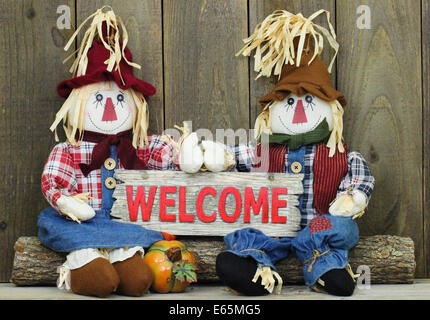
<point>63,235</point>
<point>321,246</point>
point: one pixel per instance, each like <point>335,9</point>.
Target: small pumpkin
<point>172,264</point>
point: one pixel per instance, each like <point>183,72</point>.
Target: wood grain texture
<point>188,48</point>
<point>204,82</point>
<point>389,258</point>
<point>194,183</point>
<point>379,71</point>
<point>143,21</point>
<point>31,48</point>
<point>425,28</point>
<point>258,10</point>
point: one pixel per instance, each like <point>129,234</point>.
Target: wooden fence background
<point>187,50</point>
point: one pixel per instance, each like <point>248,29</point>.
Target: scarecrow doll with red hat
<point>299,132</point>
<point>105,119</point>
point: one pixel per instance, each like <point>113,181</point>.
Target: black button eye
<point>120,97</point>
<point>99,97</point>
<point>309,98</point>
<point>290,101</point>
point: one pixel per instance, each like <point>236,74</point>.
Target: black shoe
<point>237,273</point>
<point>337,282</point>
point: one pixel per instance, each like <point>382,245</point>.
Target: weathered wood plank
<point>143,21</point>
<point>219,178</point>
<point>425,28</point>
<point>204,82</point>
<point>379,71</point>
<point>390,260</point>
<point>258,10</point>
<point>192,185</point>
<point>31,48</point>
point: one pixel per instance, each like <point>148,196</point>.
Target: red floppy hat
<point>97,72</point>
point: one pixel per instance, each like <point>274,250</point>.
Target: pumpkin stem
<point>174,254</point>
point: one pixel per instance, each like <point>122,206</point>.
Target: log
<point>390,259</point>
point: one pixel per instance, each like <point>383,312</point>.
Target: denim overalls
<point>63,235</point>
<point>322,245</point>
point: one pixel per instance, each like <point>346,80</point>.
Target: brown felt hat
<point>312,78</point>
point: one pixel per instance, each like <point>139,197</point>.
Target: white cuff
<point>122,254</point>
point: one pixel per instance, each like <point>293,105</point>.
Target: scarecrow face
<point>109,110</point>
<point>296,115</point>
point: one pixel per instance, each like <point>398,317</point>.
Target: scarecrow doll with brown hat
<point>105,119</point>
<point>300,132</point>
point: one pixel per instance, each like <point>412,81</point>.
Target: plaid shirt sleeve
<point>58,176</point>
<point>159,154</point>
<point>359,176</point>
<point>244,155</point>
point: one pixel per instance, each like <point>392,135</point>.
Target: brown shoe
<point>96,278</point>
<point>135,276</point>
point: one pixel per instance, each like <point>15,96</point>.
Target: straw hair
<point>75,106</point>
<point>336,136</point>
<point>113,25</point>
<point>141,120</point>
<point>273,41</point>
<point>263,124</point>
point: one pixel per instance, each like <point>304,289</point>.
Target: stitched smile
<point>291,131</point>
<point>104,130</point>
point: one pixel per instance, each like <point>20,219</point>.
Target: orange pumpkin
<point>172,264</point>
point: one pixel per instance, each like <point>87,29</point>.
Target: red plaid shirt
<point>62,175</point>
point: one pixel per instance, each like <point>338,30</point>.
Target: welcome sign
<point>206,203</point>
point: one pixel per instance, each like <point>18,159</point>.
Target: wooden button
<point>110,164</point>
<point>296,167</point>
<point>110,183</point>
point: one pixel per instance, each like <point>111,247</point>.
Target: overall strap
<point>296,160</point>
<point>296,165</point>
<point>107,180</point>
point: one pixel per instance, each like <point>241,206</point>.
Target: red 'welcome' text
<point>175,196</point>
